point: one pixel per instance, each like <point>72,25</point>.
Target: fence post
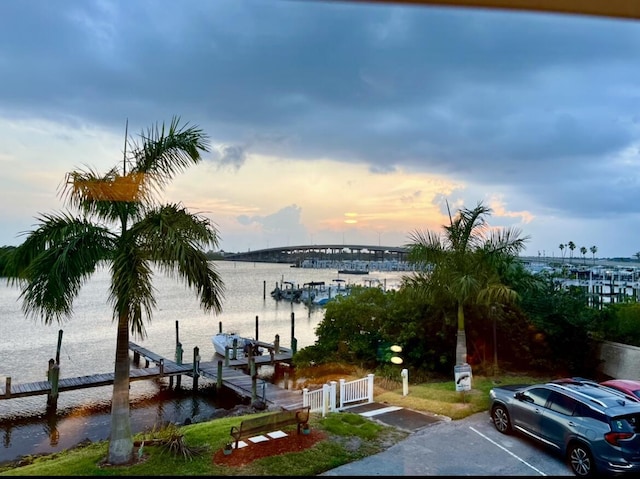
<point>341,394</point>
<point>305,397</point>
<point>325,399</point>
<point>332,405</point>
<point>370,388</point>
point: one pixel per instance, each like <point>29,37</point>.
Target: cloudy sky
<point>333,122</point>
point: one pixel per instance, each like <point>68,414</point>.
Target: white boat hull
<point>227,341</point>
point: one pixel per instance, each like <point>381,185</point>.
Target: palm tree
<point>562,251</point>
<point>120,225</point>
<point>460,266</point>
<point>594,250</point>
<point>572,246</point>
<point>583,251</point>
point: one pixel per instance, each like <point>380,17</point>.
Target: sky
<point>333,122</point>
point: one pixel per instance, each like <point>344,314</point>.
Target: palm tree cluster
<point>583,250</point>
<point>120,224</point>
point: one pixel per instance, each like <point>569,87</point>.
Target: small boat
<point>353,271</point>
<point>287,291</point>
<point>223,341</point>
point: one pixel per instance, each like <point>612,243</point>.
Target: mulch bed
<point>291,443</point>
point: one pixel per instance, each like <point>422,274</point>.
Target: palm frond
<point>55,260</point>
<point>132,291</point>
<point>164,152</point>
<point>176,240</point>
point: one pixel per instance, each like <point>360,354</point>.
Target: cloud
<point>538,110</point>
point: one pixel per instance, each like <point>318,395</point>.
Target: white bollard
<point>405,382</point>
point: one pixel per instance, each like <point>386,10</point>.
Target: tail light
<point>614,438</point>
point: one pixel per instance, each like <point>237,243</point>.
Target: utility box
<point>462,375</point>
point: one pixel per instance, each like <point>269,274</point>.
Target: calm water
<point>88,347</point>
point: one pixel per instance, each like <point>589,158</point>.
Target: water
<point>88,347</point>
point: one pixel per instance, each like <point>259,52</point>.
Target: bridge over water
<point>335,252</point>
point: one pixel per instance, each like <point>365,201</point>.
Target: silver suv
<point>595,427</point>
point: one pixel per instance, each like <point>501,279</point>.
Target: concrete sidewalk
<point>402,418</point>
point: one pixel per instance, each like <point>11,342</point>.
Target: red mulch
<point>293,442</point>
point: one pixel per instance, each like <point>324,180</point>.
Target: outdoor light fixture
<point>395,359</point>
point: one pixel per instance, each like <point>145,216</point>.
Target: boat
<point>312,289</point>
<point>223,341</point>
<point>287,291</point>
<point>353,271</point>
<point>338,288</point>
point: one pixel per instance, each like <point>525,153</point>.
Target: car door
<point>530,410</point>
<point>558,422</point>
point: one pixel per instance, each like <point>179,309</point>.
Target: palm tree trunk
<point>461,347</point>
<point>121,439</point>
<point>461,339</point>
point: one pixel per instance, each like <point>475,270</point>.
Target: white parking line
<point>508,452</point>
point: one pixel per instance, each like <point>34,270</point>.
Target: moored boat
<point>227,341</point>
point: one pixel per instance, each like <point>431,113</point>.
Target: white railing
<point>325,400</point>
<point>356,391</point>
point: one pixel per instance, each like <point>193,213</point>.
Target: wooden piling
<point>257,339</point>
<point>196,367</point>
<point>53,376</point>
<point>59,346</point>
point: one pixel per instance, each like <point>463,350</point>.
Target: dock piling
<point>196,367</point>
<point>53,376</point>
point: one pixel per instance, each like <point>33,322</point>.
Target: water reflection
<point>55,431</point>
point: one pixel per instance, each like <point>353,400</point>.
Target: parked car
<point>628,386</point>
<point>595,427</point>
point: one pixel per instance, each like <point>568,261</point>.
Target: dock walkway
<point>232,377</point>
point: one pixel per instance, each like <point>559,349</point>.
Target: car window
<point>626,423</point>
<point>537,396</point>
<point>582,410</point>
<point>563,404</point>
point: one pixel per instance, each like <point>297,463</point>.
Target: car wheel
<point>500,418</point>
<point>581,460</point>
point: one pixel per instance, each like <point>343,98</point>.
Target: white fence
<point>330,399</point>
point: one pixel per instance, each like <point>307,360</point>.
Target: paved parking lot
<point>441,447</point>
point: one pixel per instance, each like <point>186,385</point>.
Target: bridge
<point>335,252</point>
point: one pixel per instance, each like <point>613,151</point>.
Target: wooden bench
<point>270,422</point>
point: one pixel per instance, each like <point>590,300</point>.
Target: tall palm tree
<point>571,246</point>
<point>583,251</point>
<point>594,250</point>
<point>562,251</point>
<point>120,225</point>
<point>460,266</point>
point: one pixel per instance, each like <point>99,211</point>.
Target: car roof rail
<point>580,393</point>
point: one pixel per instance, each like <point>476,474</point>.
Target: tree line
<point>471,300</point>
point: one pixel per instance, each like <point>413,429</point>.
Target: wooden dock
<point>229,375</point>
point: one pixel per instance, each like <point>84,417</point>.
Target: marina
<point>89,347</point>
<point>234,372</point>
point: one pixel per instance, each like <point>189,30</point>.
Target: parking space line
<point>508,452</point>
